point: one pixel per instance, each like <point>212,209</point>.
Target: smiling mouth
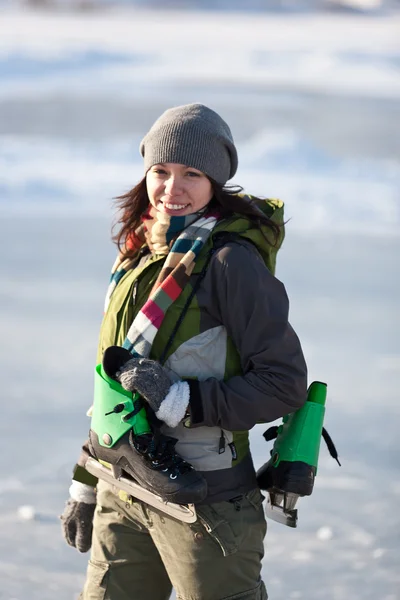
<point>171,206</point>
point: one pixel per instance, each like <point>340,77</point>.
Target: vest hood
<point>262,237</point>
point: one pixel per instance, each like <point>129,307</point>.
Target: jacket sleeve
<point>253,306</point>
<point>79,472</point>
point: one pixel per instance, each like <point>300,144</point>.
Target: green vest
<point>134,288</point>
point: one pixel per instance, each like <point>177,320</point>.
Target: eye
<point>159,171</point>
<point>193,174</point>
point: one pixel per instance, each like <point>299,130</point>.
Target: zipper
<point>221,447</point>
<point>211,531</point>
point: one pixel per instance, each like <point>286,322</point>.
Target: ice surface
<point>313,104</point>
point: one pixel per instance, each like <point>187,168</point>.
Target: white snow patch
<point>26,513</point>
<point>378,553</point>
<point>360,537</point>
<point>324,533</point>
<point>351,55</point>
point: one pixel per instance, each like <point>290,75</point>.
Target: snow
<point>312,100</point>
<point>324,534</point>
<point>26,512</point>
<point>105,51</point>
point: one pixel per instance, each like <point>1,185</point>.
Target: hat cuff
<point>174,143</point>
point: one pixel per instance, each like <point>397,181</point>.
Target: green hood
<point>262,237</point>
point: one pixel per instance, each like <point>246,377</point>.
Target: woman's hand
<point>77,518</point>
<point>148,377</point>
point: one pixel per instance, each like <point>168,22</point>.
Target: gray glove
<point>77,518</point>
<point>169,401</point>
<point>147,377</point>
<point>77,524</point>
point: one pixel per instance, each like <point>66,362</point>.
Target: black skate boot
<point>121,435</point>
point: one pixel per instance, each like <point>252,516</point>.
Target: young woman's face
<point>176,189</point>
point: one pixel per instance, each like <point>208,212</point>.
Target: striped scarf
<point>157,230</point>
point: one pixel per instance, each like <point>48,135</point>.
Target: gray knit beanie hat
<point>192,135</point>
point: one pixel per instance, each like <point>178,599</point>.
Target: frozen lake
<point>316,119</point>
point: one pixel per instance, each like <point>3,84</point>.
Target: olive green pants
<point>139,553</point>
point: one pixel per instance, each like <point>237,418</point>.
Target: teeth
<point>175,206</point>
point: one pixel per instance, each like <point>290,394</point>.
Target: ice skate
<point>290,473</point>
<point>140,459</point>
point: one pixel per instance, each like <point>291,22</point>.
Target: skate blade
<point>183,512</point>
<point>278,514</point>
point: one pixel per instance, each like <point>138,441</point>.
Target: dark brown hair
<point>225,198</point>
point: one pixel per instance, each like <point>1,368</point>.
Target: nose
<point>173,185</point>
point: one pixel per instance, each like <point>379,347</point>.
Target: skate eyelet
<point>173,476</point>
<point>164,470</point>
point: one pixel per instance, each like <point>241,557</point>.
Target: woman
<point>222,352</point>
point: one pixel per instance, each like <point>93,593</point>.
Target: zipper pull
<point>134,291</point>
<point>221,448</point>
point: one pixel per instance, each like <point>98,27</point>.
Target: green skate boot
<point>130,453</point>
<point>291,470</point>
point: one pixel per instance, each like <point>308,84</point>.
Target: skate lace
<point>163,456</point>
